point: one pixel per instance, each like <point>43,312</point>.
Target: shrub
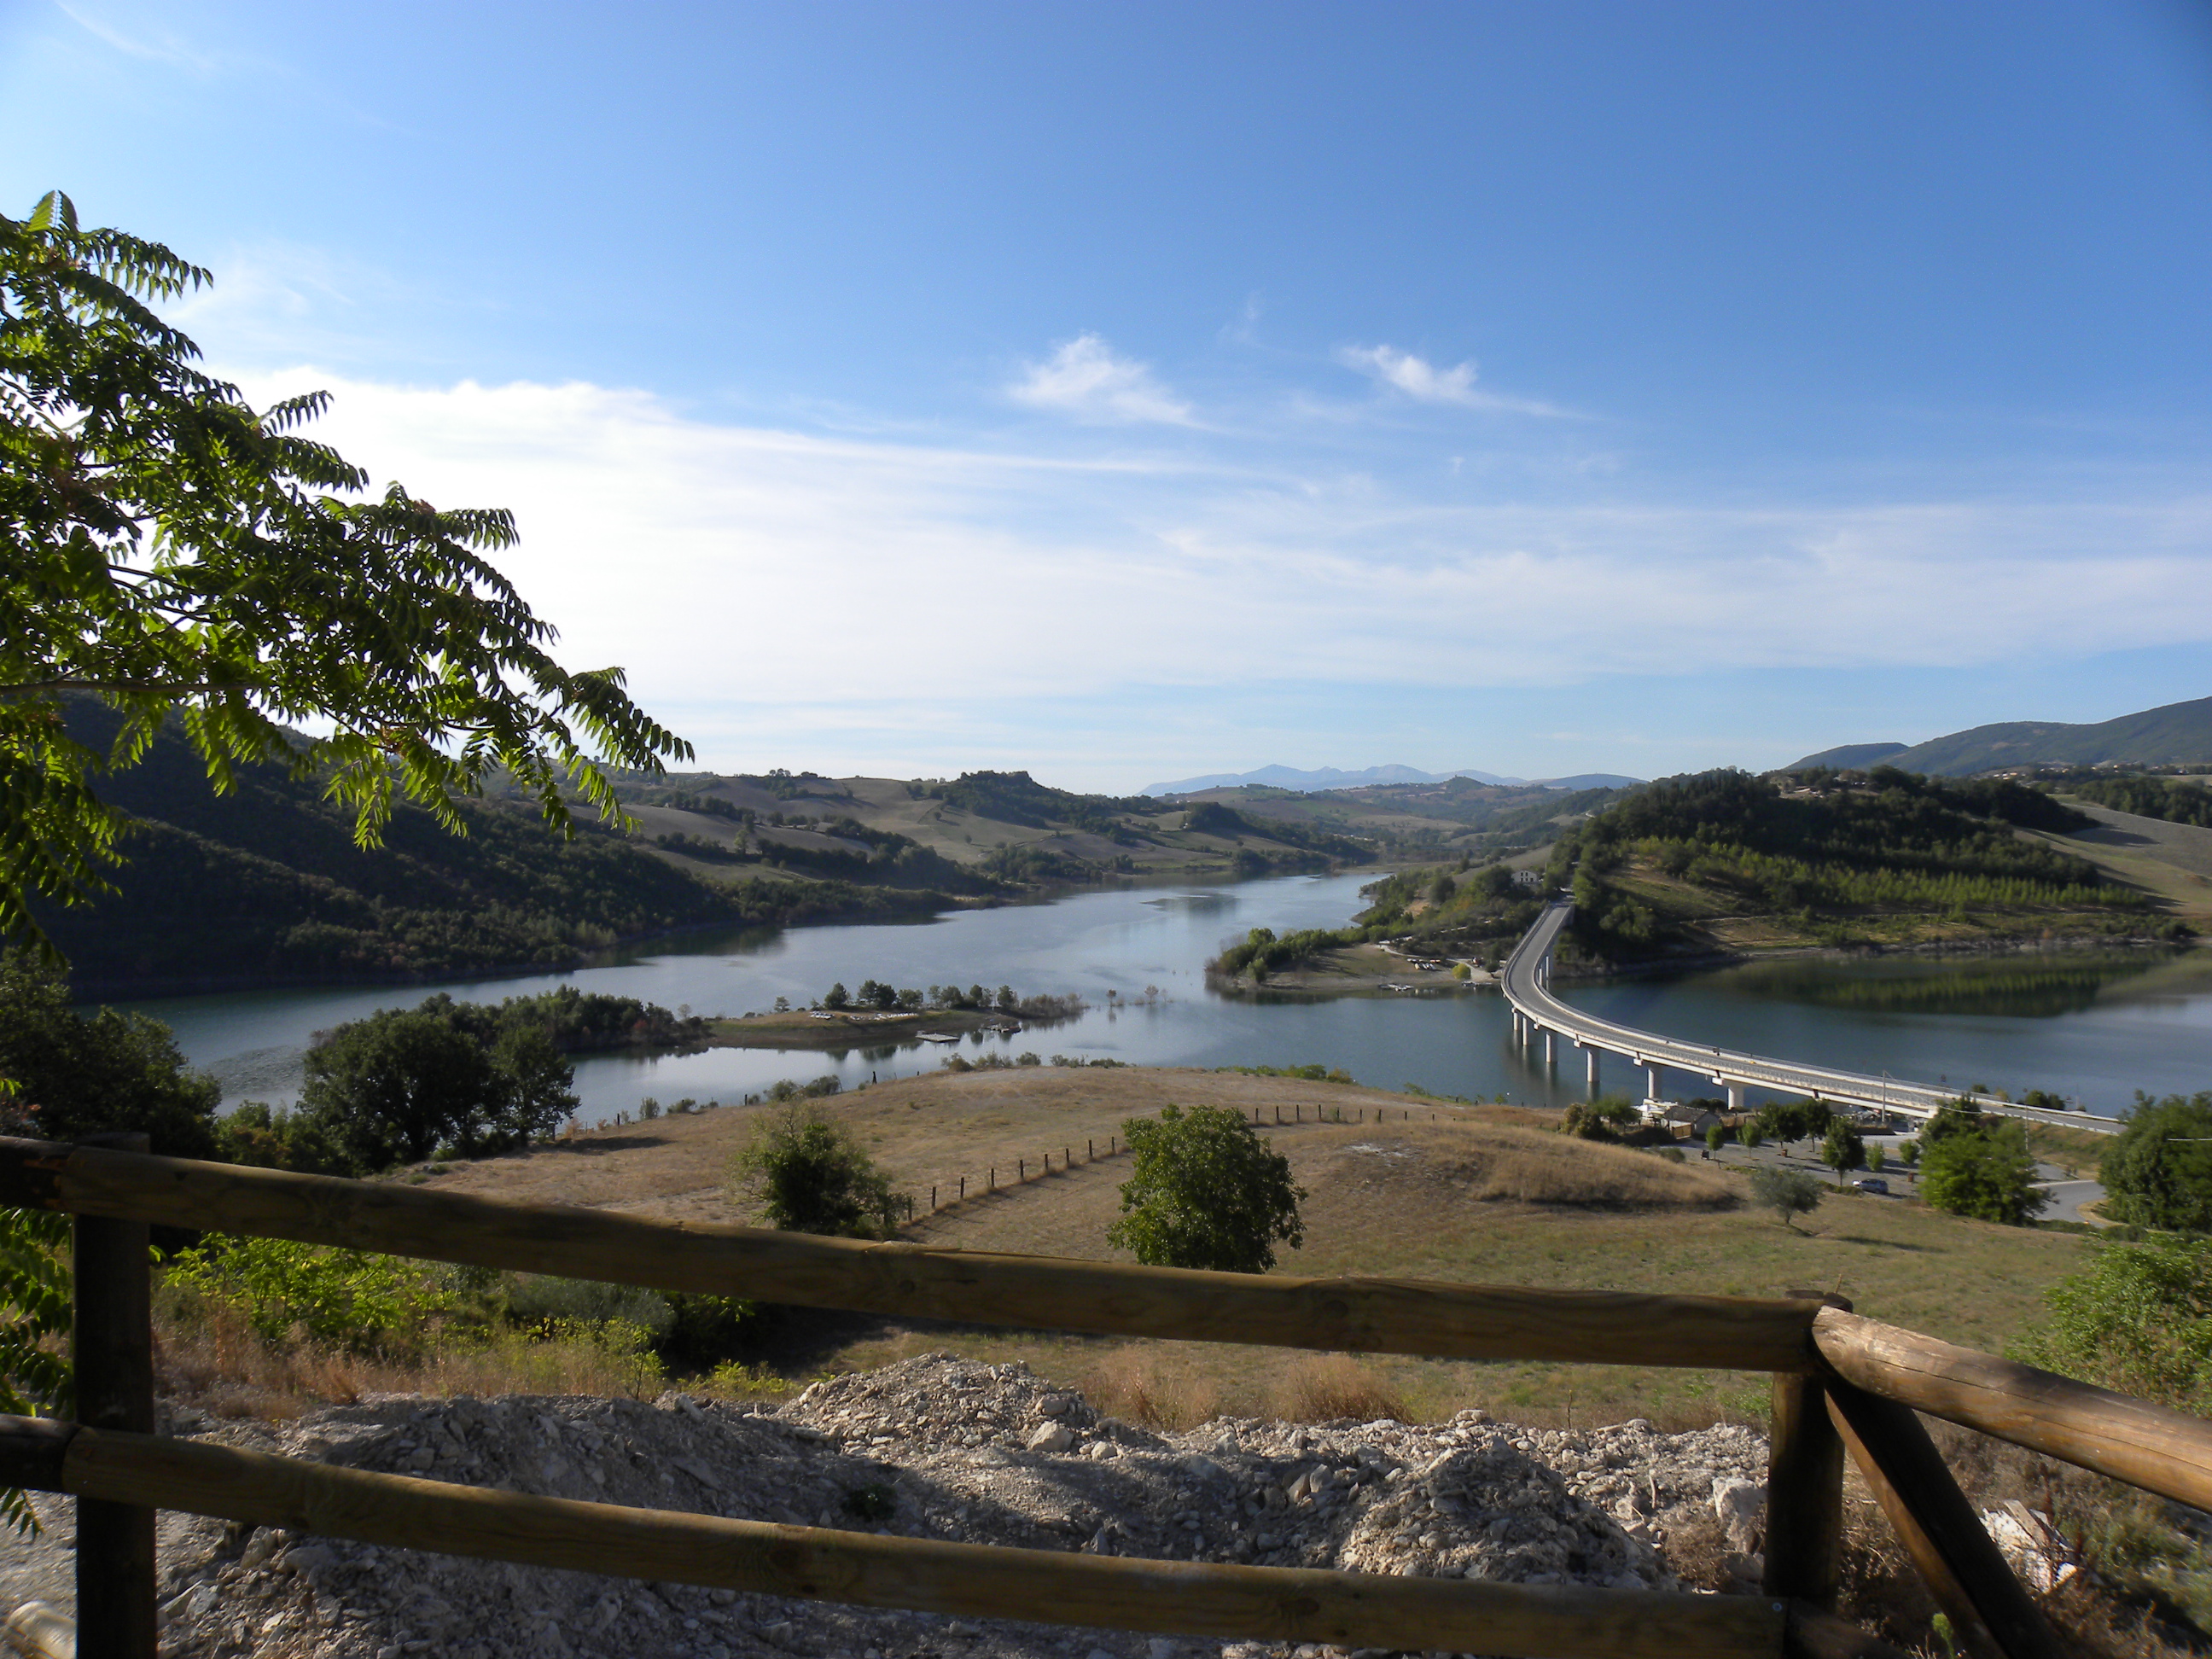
<point>2139,1319</point>
<point>1787,1192</point>
<point>345,1299</point>
<point>1206,1191</point>
<point>812,1177</point>
<point>1988,1175</point>
<point>2159,1168</point>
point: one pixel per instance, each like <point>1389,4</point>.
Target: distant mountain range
<point>1330,777</point>
<point>2178,732</point>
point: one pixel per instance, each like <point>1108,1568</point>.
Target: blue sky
<point>1131,392</point>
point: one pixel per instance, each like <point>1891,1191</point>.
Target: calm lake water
<point>2097,1029</point>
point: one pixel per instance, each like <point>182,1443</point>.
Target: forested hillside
<point>1725,858</point>
<point>265,884</point>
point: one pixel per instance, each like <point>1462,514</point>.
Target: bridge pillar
<point>1735,1092</point>
<point>1550,1048</point>
<point>1591,1055</point>
<point>1653,1073</point>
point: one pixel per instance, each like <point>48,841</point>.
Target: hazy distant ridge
<point>1330,777</point>
<point>2176,731</point>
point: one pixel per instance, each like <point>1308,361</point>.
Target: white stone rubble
<point>936,1447</point>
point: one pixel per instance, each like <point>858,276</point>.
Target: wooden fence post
<point>114,1347</point>
<point>1804,1488</point>
<point>1966,1573</point>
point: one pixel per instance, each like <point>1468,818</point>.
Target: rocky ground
<point>935,1447</point>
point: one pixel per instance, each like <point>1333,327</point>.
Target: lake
<point>2094,1028</point>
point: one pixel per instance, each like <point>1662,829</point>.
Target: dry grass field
<point>1483,1194</point>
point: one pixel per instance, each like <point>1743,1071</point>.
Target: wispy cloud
<point>972,580</point>
<point>1084,379</point>
<point>1424,382</point>
<point>159,46</point>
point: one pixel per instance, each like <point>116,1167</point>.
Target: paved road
<point>2067,1198</point>
<point>1527,983</point>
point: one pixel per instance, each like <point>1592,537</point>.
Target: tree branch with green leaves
<point>172,551</point>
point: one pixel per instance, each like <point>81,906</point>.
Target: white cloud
<point>789,597</point>
<point>1424,382</point>
<point>1084,379</point>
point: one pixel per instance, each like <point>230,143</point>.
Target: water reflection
<point>2036,987</point>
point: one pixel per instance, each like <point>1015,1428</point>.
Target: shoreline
<point>1989,949</point>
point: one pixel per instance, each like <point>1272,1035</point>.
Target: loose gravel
<point>936,1447</point>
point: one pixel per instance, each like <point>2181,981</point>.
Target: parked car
<point>1873,1184</point>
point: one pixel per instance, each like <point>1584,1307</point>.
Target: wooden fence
<point>1842,1385</point>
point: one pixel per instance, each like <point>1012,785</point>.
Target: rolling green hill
<point>2176,732</point>
<point>1723,861</point>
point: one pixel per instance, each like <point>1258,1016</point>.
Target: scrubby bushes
<point>2158,1170</point>
<point>810,1175</point>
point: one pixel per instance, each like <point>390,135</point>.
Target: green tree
<point>396,1086</point>
<point>1749,1133</point>
<point>1787,1192</point>
<point>2139,1319</point>
<point>79,1074</point>
<point>1842,1147</point>
<point>1988,1175</point>
<point>2158,1170</point>
<point>812,1176</point>
<point>1876,1157</point>
<point>1206,1191</point>
<point>1716,1137</point>
<point>839,997</point>
<point>172,551</point>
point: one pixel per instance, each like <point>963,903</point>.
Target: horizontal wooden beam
<point>2163,1451</point>
<point>957,1580</point>
<point>1375,1316</point>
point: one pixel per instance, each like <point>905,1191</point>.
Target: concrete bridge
<point>1541,1020</point>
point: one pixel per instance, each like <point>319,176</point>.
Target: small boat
<point>938,1036</point>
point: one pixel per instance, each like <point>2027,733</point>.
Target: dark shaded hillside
<point>265,884</point>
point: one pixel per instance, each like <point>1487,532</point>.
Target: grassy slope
<point>2172,861</point>
<point>1396,1199</point>
<point>1157,843</point>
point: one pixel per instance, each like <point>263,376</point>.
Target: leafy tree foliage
<point>1794,1119</point>
<point>1206,1191</point>
<point>170,548</point>
<point>399,1086</point>
<point>2149,798</point>
<point>1787,1192</point>
<point>1987,1173</point>
<point>812,1176</point>
<point>346,1298</point>
<point>2158,1170</point>
<point>1842,1148</point>
<point>2137,1319</point>
<point>79,1074</point>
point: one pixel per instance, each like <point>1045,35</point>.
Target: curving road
<point>1541,1018</point>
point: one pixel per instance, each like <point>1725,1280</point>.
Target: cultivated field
<point>1480,1194</point>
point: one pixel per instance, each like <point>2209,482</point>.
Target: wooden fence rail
<point>1381,1315</point>
<point>1841,1382</point>
<point>928,1575</point>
